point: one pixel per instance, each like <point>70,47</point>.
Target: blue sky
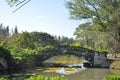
<point>49,16</point>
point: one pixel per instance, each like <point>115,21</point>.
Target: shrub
<point>4,53</point>
<point>44,78</point>
<point>3,79</point>
<point>112,78</point>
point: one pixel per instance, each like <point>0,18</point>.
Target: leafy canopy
<point>104,12</point>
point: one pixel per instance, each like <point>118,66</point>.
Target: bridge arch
<point>77,51</point>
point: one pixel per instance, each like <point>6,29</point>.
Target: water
<point>87,74</point>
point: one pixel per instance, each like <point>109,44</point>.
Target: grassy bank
<point>115,65</point>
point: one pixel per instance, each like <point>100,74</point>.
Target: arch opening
<point>66,60</point>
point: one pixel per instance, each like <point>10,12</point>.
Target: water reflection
<point>68,72</point>
<point>117,72</point>
<point>87,74</point>
<point>93,74</point>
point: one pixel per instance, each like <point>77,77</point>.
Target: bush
<point>45,78</point>
<point>37,78</point>
<point>3,79</point>
<point>112,78</point>
<point>45,49</point>
<point>4,53</point>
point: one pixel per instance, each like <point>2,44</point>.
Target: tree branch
<point>21,5</point>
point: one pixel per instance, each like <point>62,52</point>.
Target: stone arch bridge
<point>87,54</point>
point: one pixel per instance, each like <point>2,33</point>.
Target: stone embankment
<point>116,63</point>
<point>3,64</point>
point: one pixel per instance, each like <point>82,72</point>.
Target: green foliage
<point>3,79</point>
<point>4,53</point>
<point>32,40</point>
<point>97,49</point>
<point>45,49</point>
<point>45,78</point>
<point>25,57</point>
<point>112,78</point>
<point>103,21</point>
<point>64,40</point>
<point>25,40</point>
<point>91,37</point>
<point>101,10</point>
<point>77,44</point>
<point>37,78</point>
<point>12,0</point>
<point>18,52</point>
<point>22,56</point>
<point>43,39</point>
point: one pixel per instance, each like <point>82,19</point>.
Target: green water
<point>88,74</point>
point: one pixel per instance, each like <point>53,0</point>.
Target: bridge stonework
<point>63,50</point>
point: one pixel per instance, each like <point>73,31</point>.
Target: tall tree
<point>90,36</point>
<point>16,30</point>
<point>104,12</point>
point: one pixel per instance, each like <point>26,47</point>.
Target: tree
<point>4,34</point>
<point>26,40</point>
<point>32,40</point>
<point>4,53</point>
<point>23,40</point>
<point>17,3</point>
<point>16,30</point>
<point>43,39</point>
<point>90,36</point>
<point>64,40</point>
<point>4,31</point>
<point>104,12</point>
